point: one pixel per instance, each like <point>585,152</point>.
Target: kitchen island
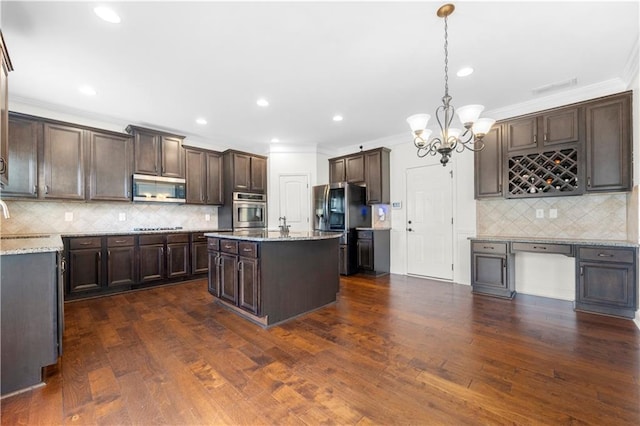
<point>269,277</point>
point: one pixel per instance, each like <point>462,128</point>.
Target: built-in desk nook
<point>606,272</point>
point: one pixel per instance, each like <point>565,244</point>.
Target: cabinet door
<point>147,152</point>
<point>229,277</point>
<point>608,145</point>
<point>337,170</point>
<point>195,176</point>
<point>172,157</point>
<point>607,288</point>
<point>488,166</point>
<point>521,133</point>
<point>489,271</point>
<point>85,268</point>
<point>365,255</point>
<point>258,175</point>
<point>241,172</point>
<point>354,167</point>
<point>4,117</point>
<point>560,126</point>
<point>199,258</point>
<point>214,279</point>
<point>63,162</point>
<point>249,281</point>
<point>24,135</point>
<point>214,182</point>
<point>373,177</point>
<point>121,266</point>
<point>151,262</point>
<point>110,167</point>
<point>177,260</point>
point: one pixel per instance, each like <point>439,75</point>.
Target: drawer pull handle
<point>539,247</point>
<point>247,249</point>
<point>86,243</point>
<point>200,237</point>
<point>604,255</point>
<point>121,241</point>
<point>228,246</point>
<point>488,247</point>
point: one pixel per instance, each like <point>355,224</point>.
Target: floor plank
<point>392,350</point>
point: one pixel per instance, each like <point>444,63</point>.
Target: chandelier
<point>449,139</point>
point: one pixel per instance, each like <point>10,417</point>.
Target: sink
<point>22,237</point>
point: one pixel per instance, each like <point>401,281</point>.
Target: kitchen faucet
<point>5,209</point>
<point>284,228</point>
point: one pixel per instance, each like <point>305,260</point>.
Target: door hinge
<point>452,266</point>
<point>451,173</point>
<point>452,221</point>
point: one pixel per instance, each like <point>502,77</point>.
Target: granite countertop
<point>25,244</point>
<point>146,231</point>
<point>571,241</point>
<point>265,235</point>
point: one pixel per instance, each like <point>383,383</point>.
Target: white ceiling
<point>375,63</point>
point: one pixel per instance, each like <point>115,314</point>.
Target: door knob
<point>409,229</point>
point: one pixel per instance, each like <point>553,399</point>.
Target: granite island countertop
<point>266,235</point>
<point>30,243</point>
<point>570,241</point>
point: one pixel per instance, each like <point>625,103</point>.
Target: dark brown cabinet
<point>215,266</point>
<point>606,280</point>
<point>5,64</point>
<point>608,144</point>
<point>373,251</point>
<point>204,177</point>
<point>151,258</point>
<point>369,168</point>
<point>365,253</point>
<point>248,278</point>
<point>229,277</point>
<point>110,166</point>
<point>199,255</point>
<point>492,269</point>
<point>245,172</point>
<point>557,126</point>
<point>121,261</point>
<point>177,255</point>
<point>235,276</point>
<point>84,263</point>
<point>25,135</point>
<point>63,162</point>
<point>157,153</point>
<point>488,165</point>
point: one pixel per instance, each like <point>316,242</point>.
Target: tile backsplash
<point>29,217</point>
<point>593,216</point>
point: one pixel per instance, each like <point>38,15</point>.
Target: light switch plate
<point>539,213</point>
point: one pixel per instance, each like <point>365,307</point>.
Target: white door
<point>294,201</point>
<point>429,222</point>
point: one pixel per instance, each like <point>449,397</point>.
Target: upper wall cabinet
<point>25,136</point>
<point>245,172</point>
<point>554,127</point>
<point>157,153</point>
<point>4,112</point>
<point>63,162</point>
<point>110,166</point>
<point>369,168</point>
<point>488,165</point>
<point>608,144</point>
<point>204,177</point>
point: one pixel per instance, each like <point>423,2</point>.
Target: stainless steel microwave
<point>159,189</point>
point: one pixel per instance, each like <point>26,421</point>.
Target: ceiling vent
<point>555,86</point>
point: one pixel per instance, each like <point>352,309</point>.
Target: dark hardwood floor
<point>392,350</point>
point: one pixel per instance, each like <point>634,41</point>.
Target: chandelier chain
<point>446,58</point>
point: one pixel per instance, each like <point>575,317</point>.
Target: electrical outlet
<point>122,217</point>
<point>539,213</point>
<point>553,213</point>
<point>68,216</point>
<point>207,217</point>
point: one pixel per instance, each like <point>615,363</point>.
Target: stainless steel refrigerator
<point>341,207</point>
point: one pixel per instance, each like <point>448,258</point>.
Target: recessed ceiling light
<point>201,121</point>
<point>262,102</point>
<point>87,90</point>
<point>275,140</point>
<point>107,14</point>
<point>337,118</point>
<point>463,72</point>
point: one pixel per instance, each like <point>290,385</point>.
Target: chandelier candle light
<point>449,139</point>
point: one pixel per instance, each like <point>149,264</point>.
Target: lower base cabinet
<point>606,281</point>
<point>492,269</point>
<point>234,276</point>
<point>373,254</point>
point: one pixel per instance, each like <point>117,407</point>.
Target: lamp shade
<point>469,113</point>
<point>483,125</point>
<point>422,139</point>
<point>418,122</point>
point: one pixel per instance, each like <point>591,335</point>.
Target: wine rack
<point>549,173</point>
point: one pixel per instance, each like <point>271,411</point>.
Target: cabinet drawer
<point>121,241</point>
<point>151,239</point>
<point>177,238</point>
<point>229,246</point>
<point>365,235</point>
<point>213,244</point>
<point>248,249</point>
<point>83,243</point>
<point>543,248</point>
<point>607,254</point>
<point>198,237</point>
<point>489,247</point>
